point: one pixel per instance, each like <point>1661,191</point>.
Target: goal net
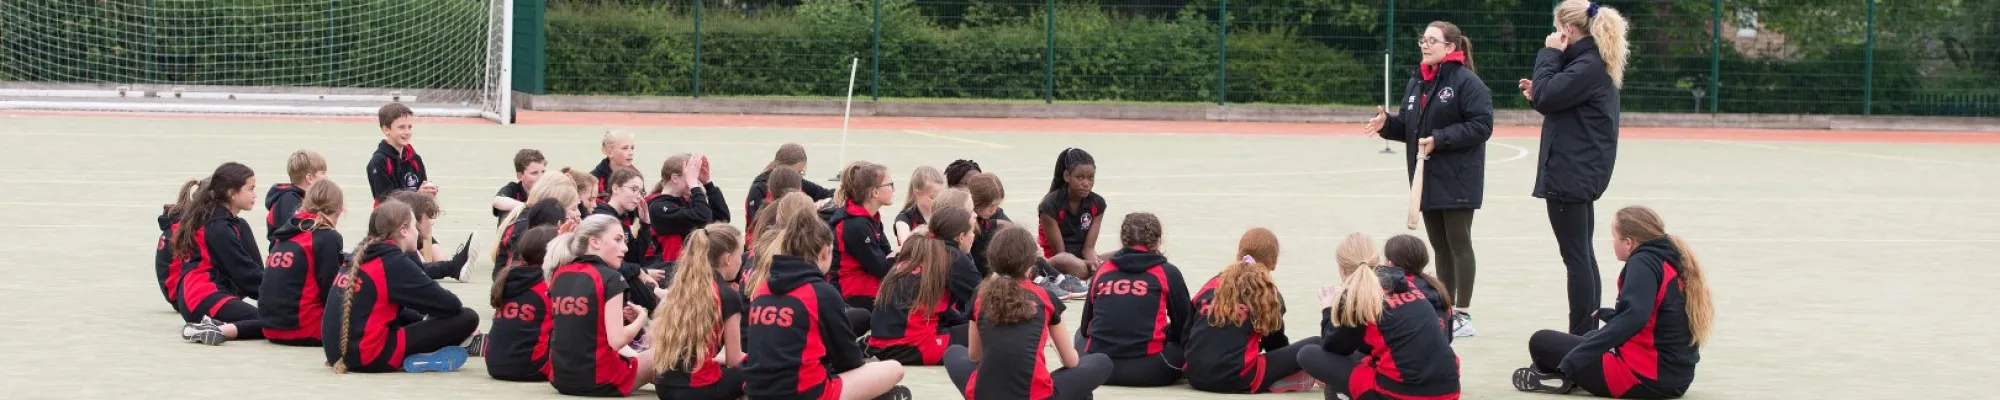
<point>315,57</point>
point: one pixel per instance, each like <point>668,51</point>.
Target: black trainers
<point>1530,380</point>
<point>476,346</point>
<point>899,392</point>
<point>459,264</point>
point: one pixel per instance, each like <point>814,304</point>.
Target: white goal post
<point>448,58</point>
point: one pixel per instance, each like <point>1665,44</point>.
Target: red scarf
<point>1431,71</point>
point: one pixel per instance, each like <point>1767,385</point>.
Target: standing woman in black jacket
<point>1576,89</point>
<point>1446,118</point>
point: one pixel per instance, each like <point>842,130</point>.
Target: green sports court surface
<point>1843,264</point>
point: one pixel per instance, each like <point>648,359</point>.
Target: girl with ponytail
<point>1377,315</point>
<point>166,267</point>
<point>684,200</point>
<point>701,317</point>
<point>220,261</point>
<point>1071,216</point>
<point>1576,89</point>
<point>391,316</point>
<point>1652,340</point>
<point>1408,252</point>
<point>1242,306</point>
<point>915,314</point>
<point>305,257</point>
<point>518,345</point>
<point>593,325</point>
<point>806,347</point>
<point>1013,314</point>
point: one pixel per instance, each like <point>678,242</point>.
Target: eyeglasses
<point>1428,42</point>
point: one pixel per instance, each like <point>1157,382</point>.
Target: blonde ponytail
<point>1361,303</point>
<point>1609,28</point>
<point>1700,309</point>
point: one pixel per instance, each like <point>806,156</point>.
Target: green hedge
<point>348,43</point>
<point>805,51</point>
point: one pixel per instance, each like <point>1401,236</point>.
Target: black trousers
<point>860,319</point>
<point>1548,348</point>
<point>1071,383</point>
<point>729,387</point>
<point>1451,238</point>
<point>1573,224</point>
<point>1278,365</point>
<point>432,334</point>
<point>233,310</point>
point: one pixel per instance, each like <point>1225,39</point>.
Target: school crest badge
<point>1086,221</point>
<point>1445,95</point>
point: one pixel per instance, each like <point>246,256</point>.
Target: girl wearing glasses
<point>1446,117</point>
<point>859,246</point>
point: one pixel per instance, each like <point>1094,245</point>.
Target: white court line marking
<point>957,139</point>
<point>642,139</point>
<point>1855,154</point>
<point>1519,153</point>
<point>1216,237</point>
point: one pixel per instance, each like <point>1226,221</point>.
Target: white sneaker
<point>1462,323</point>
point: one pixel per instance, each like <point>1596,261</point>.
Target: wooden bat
<point>1417,188</point>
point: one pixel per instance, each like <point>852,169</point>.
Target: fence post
<point>697,48</point>
<point>330,50</point>
<point>1715,61</point>
<point>1388,55</point>
<point>1868,74</point>
<point>1049,55</point>
<point>875,56</point>
<point>1222,55</point>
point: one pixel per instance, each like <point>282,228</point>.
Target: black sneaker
<point>899,392</point>
<point>1530,380</point>
<point>459,264</point>
<point>476,346</point>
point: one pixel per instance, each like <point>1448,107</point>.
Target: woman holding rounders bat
<point>1446,117</point>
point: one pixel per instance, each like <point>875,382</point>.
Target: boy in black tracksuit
<point>1645,350</point>
<point>1403,354</point>
<point>397,312</point>
<point>395,164</point>
<point>795,311</point>
<point>304,167</point>
<point>674,216</point>
<point>1579,103</point>
<point>297,278</point>
<point>1136,313</point>
<point>1235,358</point>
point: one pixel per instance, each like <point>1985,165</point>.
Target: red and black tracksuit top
<point>1436,301</point>
<point>226,265</point>
<point>517,346</point>
<point>389,170</point>
<point>802,340</point>
<point>390,291</point>
<point>581,358</point>
<point>280,203</point>
<point>1404,354</point>
<point>638,247</point>
<point>1228,358</point>
<point>707,372</point>
<point>1012,364</point>
<point>603,174</point>
<point>165,268</point>
<point>860,253</point>
<point>297,278</point>
<point>1646,341</point>
<point>903,333</point>
<point>1136,307</point>
<point>513,190</point>
<point>674,216</point>
<point>1073,224</point>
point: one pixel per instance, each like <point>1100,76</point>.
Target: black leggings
<point>1070,383</point>
<point>432,334</point>
<point>1283,363</point>
<point>1451,237</point>
<point>1547,348</point>
<point>1156,370</point>
<point>859,318</point>
<point>232,311</point>
<point>729,387</point>
<point>1572,223</point>
<point>1334,370</point>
